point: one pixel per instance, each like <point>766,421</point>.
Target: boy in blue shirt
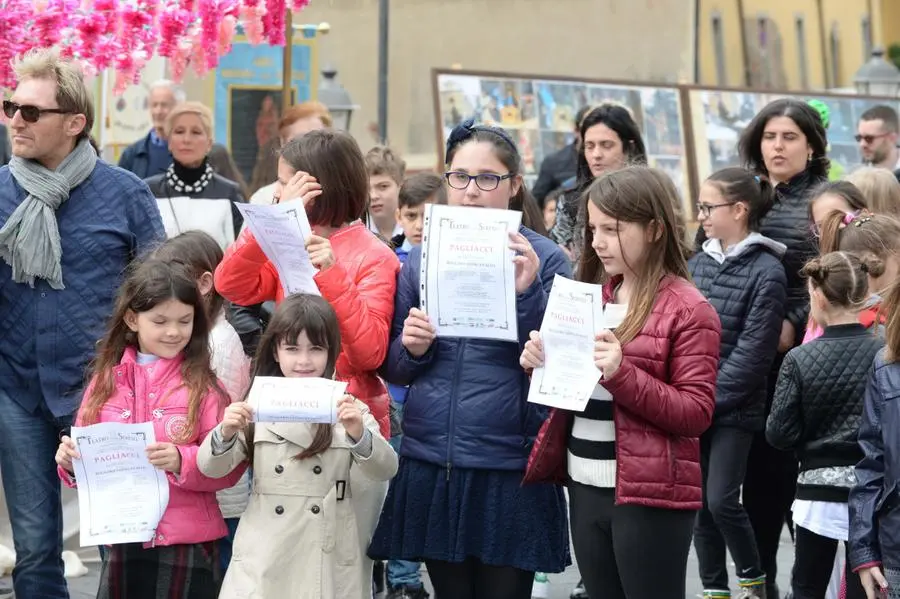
<point>403,579</point>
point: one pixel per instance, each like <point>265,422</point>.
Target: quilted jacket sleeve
<point>784,428</point>
<point>245,276</point>
<point>144,221</point>
<point>364,305</point>
<point>868,492</point>
<point>746,368</point>
<point>684,405</point>
<point>401,367</point>
<point>191,478</point>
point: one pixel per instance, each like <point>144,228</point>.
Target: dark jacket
<point>787,222</point>
<point>48,336</point>
<point>556,169</point>
<point>875,498</point>
<point>137,159</point>
<point>663,400</point>
<point>5,150</point>
<point>818,407</point>
<point>748,290</point>
<point>466,406</point>
<point>219,188</point>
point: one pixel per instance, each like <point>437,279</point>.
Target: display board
<point>539,113</point>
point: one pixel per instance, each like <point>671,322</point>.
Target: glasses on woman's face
<point>484,181</point>
<point>705,210</point>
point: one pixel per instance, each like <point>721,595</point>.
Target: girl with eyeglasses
<point>739,271</point>
<point>785,144</point>
<point>457,502</point>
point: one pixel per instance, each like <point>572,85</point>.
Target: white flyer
<point>303,399</point>
<point>121,495</point>
<point>468,275</point>
<point>575,314</point>
<point>281,231</point>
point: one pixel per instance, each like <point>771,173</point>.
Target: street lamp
<point>878,77</point>
<point>333,95</point>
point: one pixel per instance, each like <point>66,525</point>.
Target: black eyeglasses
<point>30,114</point>
<point>706,209</point>
<point>484,181</point>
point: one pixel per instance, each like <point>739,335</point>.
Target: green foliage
<point>893,54</point>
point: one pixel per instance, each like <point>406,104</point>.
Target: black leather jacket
<point>818,405</point>
<point>875,499</point>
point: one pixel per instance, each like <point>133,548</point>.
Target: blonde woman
<point>880,188</point>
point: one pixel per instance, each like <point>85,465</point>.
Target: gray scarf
<point>29,241</point>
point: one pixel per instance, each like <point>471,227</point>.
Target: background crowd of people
<point>749,386</point>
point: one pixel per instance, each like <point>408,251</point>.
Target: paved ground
<point>560,584</point>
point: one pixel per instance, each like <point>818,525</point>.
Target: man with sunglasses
<point>876,134</point>
<point>69,226</point>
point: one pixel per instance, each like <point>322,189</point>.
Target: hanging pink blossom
<point>124,34</point>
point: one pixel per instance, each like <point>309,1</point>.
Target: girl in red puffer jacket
<point>632,458</point>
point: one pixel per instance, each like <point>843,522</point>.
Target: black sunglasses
<point>30,114</point>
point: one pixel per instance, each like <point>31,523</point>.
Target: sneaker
<point>578,592</point>
<point>716,594</point>
<point>407,593</point>
<point>752,588</point>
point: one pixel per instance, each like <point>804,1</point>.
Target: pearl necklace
<point>181,187</point>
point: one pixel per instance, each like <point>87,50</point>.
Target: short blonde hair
<point>72,94</point>
<point>196,108</point>
<point>880,188</point>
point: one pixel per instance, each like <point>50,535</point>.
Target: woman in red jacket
<point>357,273</point>
<point>632,458</point>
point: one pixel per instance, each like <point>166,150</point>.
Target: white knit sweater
<point>232,368</point>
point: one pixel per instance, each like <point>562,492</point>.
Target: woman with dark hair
<point>325,172</point>
<point>785,143</point>
<point>457,502</point>
<point>610,139</point>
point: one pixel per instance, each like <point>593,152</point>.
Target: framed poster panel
<point>718,116</point>
<point>539,113</point>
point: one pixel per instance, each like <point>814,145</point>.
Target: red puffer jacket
<point>360,286</point>
<point>663,400</point>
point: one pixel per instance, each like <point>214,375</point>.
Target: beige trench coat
<point>298,539</point>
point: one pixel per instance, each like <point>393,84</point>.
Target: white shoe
<point>74,568</point>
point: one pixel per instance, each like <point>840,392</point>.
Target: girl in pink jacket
<point>153,365</point>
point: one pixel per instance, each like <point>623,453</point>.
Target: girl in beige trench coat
<point>298,538</point>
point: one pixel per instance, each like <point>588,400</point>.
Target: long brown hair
<point>297,314</point>
<point>199,253</point>
<point>148,285</point>
<point>645,196</point>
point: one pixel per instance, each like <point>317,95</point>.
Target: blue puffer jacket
<point>466,406</point>
<point>875,500</point>
<point>748,288</point>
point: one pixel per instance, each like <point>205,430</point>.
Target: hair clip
<point>849,217</point>
<point>859,221</point>
<point>758,180</point>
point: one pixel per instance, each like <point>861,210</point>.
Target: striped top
<point>592,444</point>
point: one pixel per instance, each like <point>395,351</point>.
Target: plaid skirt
<point>172,572</point>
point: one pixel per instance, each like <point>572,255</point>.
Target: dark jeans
<point>769,488</point>
<point>28,444</point>
<point>722,521</point>
<point>629,550</point>
<point>226,544</point>
<point>472,579</point>
<point>813,559</point>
